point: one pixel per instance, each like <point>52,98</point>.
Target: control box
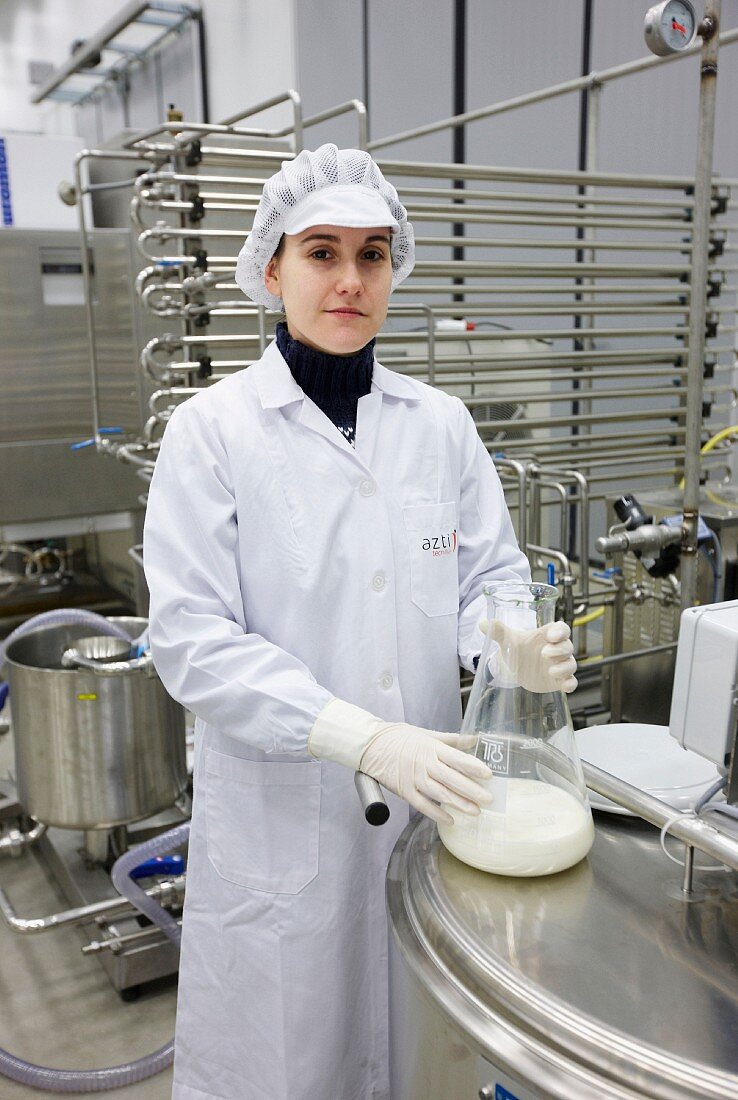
<point>704,702</point>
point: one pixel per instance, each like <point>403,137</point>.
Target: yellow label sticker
<point>87,695</point>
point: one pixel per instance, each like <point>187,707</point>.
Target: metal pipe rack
<point>572,326</point>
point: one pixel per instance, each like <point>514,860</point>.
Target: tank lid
<point>602,971</point>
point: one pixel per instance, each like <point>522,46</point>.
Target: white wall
<point>41,30</point>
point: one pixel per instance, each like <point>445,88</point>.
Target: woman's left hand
<point>539,660</point>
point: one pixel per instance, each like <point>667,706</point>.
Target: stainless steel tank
<point>601,982</point>
<point>92,750</point>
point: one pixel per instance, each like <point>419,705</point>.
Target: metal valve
<point>648,537</point>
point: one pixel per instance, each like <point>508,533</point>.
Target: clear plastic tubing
<point>99,1080</point>
<point>129,888</point>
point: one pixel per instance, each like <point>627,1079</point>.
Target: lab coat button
<point>367,488</point>
<point>378,582</point>
<point>386,682</point>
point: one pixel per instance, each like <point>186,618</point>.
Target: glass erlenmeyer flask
<point>539,821</point>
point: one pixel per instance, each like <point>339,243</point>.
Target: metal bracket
<point>170,19</point>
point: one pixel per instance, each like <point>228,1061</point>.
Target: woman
<point>318,533</point>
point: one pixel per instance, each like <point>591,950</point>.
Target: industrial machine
<point>45,374</point>
<point>704,705</point>
<point>66,521</point>
<point>644,619</point>
<point>100,766</point>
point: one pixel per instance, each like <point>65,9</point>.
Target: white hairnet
<point>288,199</point>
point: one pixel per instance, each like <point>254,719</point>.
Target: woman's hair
<point>277,253</point>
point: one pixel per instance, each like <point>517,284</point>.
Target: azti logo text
<point>440,545</point>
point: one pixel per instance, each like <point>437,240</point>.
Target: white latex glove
<point>419,765</point>
<point>539,660</point>
<point>425,768</point>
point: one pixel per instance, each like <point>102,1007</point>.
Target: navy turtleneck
<point>334,382</point>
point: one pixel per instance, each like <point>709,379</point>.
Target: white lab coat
<point>287,568</point>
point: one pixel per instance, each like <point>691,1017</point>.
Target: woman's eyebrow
<point>337,240</point>
<point>320,237</point>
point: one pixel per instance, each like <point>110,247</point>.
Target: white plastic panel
<point>703,704</point>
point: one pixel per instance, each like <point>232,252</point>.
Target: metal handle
<point>376,810</point>
<point>71,658</point>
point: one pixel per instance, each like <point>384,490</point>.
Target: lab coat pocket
<point>431,531</point>
<point>263,821</point>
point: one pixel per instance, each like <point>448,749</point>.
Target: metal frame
<point>584,452</point>
<point>154,13</point>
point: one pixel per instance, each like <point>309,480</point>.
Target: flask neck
<point>526,613</point>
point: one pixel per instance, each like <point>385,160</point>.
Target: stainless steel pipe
<point>169,892</point>
<point>688,828</point>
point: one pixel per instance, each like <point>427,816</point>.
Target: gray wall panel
<point>330,64</point>
<point>411,74</point>
<point>649,120</point>
<point>251,50</point>
<point>507,58</point>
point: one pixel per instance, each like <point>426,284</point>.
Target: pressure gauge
<point>670,27</point>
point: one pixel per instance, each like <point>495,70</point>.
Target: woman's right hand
<point>426,768</point>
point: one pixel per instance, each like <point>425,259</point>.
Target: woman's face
<point>335,284</point>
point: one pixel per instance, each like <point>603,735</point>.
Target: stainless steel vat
<point>601,982</point>
<point>92,750</point>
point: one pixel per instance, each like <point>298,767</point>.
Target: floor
<point>58,1006</point>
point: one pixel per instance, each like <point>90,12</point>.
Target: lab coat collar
<point>274,380</point>
<point>278,388</point>
<point>393,385</point>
